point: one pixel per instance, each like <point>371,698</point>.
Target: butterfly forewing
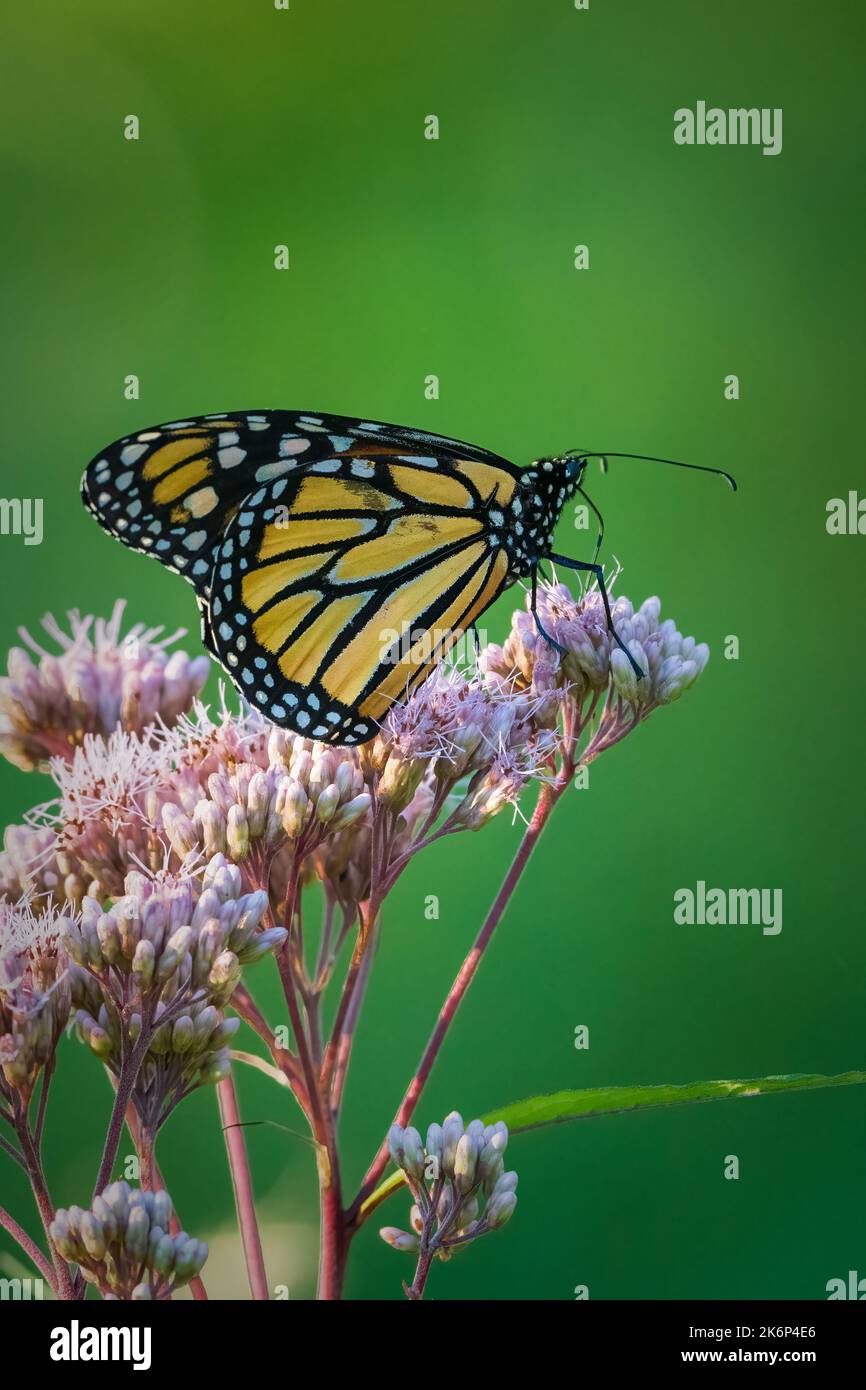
<point>335,559</point>
<point>337,589</point>
<point>171,490</point>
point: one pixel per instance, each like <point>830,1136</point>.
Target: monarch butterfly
<point>309,539</point>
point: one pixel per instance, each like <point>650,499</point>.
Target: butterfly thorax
<point>534,511</point>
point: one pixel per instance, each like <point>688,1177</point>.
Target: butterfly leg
<point>585,567</point>
<point>533,608</point>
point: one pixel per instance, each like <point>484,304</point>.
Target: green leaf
<point>617,1100</point>
<point>384,1190</point>
<point>562,1106</point>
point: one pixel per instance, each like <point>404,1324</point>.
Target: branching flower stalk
<point>35,1002</point>
<point>150,980</point>
<point>179,849</point>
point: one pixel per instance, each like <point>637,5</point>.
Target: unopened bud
<point>500,1208</point>
<point>327,803</point>
<point>399,1240</point>
<point>395,1144</point>
<point>143,965</point>
<point>294,812</point>
<point>351,812</point>
<point>465,1164</point>
<point>137,1233</point>
<point>237,833</point>
<point>413,1153</point>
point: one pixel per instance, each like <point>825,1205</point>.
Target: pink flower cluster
<point>97,682</point>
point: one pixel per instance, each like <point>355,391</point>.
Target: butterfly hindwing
<point>336,589</point>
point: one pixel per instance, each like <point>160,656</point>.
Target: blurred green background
<point>411,257</point>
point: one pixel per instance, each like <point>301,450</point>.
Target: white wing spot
<point>132,453</point>
<point>291,444</point>
<point>272,470</point>
<point>201,502</point>
<point>231,457</point>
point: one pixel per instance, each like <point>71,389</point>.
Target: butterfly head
<point>574,467</point>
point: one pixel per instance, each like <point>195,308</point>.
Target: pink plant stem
<point>245,1006</point>
<point>335,1234</point>
<point>415,1290</point>
<point>64,1283</point>
<point>145,1147</point>
<point>308,1069</point>
<point>123,1094</point>
<point>236,1150</point>
<point>333,1237</point>
<point>333,1242</point>
<point>286,963</point>
<point>339,1045</point>
<point>43,1098</point>
<point>343,1009</point>
<point>546,801</point>
<point>347,1033</point>
<point>30,1248</point>
<point>196,1286</point>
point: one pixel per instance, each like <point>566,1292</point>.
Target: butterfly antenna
<point>604,455</point>
<point>599,518</point>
